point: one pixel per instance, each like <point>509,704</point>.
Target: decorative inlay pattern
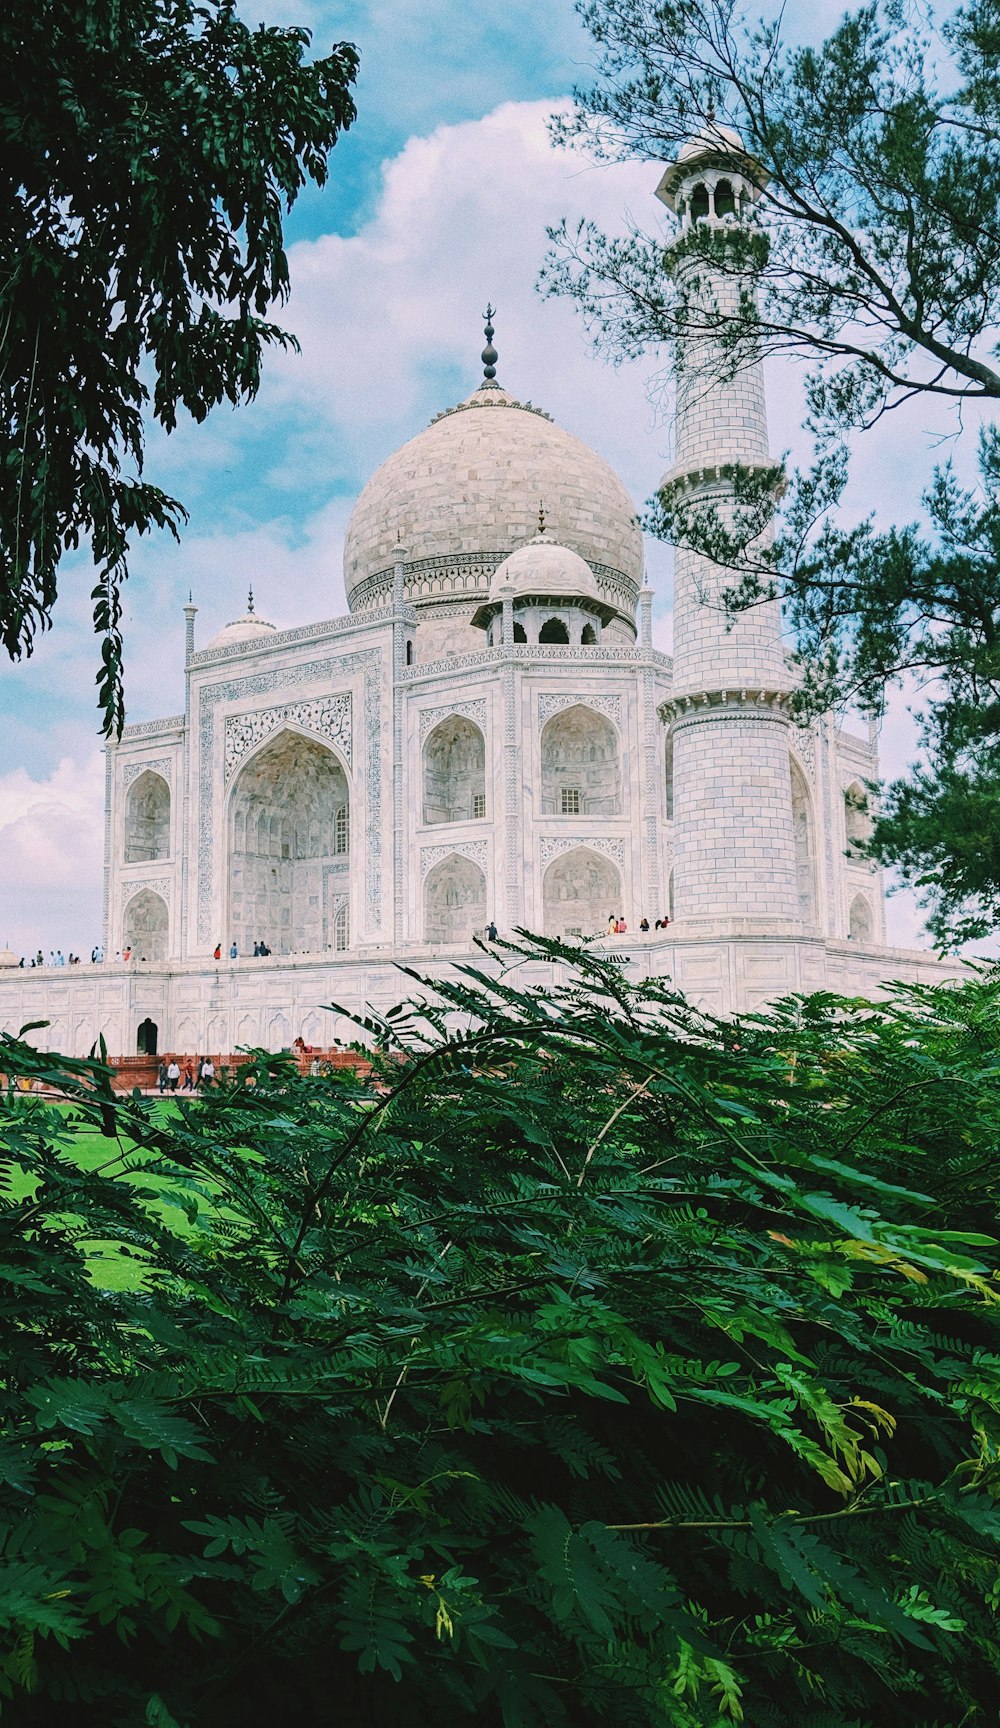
<point>550,702</point>
<point>156,885</point>
<point>286,638</point>
<point>152,728</point>
<point>526,653</point>
<point>475,711</point>
<point>210,787</point>
<point>158,765</point>
<point>554,845</point>
<point>329,717</point>
<point>476,850</point>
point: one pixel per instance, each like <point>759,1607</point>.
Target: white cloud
<point>51,856</point>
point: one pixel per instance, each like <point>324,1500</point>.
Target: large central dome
<point>464,493</point>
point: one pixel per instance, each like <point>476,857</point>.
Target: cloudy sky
<point>439,199</point>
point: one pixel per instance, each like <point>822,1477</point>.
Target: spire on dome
<point>541,517</point>
<point>250,601</point>
<point>489,355</point>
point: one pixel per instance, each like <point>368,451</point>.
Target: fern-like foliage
<point>604,1363</point>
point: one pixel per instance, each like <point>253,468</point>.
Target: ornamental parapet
<point>698,474</point>
<point>698,704</point>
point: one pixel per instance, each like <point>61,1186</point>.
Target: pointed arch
<point>454,764</point>
<point>554,630</point>
<point>857,818</point>
<point>581,889</point>
<point>804,830</point>
<point>862,922</point>
<point>145,926</point>
<point>289,841</point>
<point>581,765</point>
<point>454,901</point>
<point>147,819</point>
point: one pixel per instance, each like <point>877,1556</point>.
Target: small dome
<point>8,958</point>
<point>715,146</point>
<point>545,568</point>
<point>249,628</point>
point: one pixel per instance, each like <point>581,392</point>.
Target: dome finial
<point>250,600</point>
<point>489,355</point>
<point>541,517</point>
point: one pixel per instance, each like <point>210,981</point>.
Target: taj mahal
<point>488,736</point>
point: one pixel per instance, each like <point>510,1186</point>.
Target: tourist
<point>188,1085</point>
<point>96,954</point>
<point>38,958</point>
<point>126,955</point>
<point>265,950</point>
<point>491,931</point>
<point>256,950</point>
<point>644,926</point>
<point>161,1077</point>
<point>612,923</point>
<point>314,1067</point>
<point>233,951</point>
<point>173,1073</point>
<point>217,952</point>
<point>207,1071</point>
<point>60,958</point>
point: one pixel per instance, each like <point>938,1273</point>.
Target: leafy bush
<point>604,1362</point>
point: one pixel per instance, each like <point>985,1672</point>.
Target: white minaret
<point>734,844</point>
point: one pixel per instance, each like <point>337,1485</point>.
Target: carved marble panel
<point>553,702</point>
<point>475,711</point>
<point>328,717</point>
<point>553,845</point>
<point>476,850</point>
<point>158,765</point>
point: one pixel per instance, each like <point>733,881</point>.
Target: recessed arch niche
<point>145,926</point>
<point>581,770</point>
<point>454,901</point>
<point>289,840</point>
<point>147,819</point>
<point>581,890</point>
<point>454,771</point>
<point>804,830</point>
<point>861,925</point>
<point>857,817</point>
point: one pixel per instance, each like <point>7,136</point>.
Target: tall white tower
<point>734,843</point>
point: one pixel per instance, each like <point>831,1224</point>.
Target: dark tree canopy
<point>875,254</point>
<point>148,152</point>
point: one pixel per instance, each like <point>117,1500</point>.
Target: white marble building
<point>488,734</point>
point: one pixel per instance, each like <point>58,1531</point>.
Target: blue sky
<point>438,200</point>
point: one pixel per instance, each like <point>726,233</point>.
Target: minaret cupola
<point>713,179</point>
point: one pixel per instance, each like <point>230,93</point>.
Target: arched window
<point>342,929</point>
<point>581,890</point>
<point>454,771</point>
<point>289,836</point>
<point>454,901</point>
<point>144,928</point>
<point>725,199</point>
<point>588,637</point>
<point>553,630</point>
<point>580,756</point>
<point>699,202</point>
<point>861,919</point>
<point>519,635</point>
<point>409,651</point>
<point>146,1037</point>
<point>857,818</point>
<point>147,819</point>
<point>668,756</point>
<point>805,843</point>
